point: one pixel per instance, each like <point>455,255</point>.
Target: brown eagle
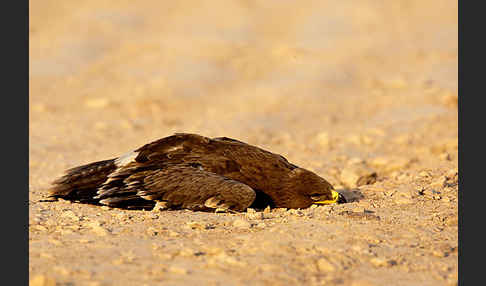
<point>194,172</point>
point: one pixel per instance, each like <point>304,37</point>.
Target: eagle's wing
<point>181,187</point>
<point>207,167</point>
<point>184,170</point>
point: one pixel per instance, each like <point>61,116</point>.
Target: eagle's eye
<point>316,197</point>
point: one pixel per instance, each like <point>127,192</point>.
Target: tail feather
<point>81,183</point>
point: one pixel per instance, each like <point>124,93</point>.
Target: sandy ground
<point>343,88</point>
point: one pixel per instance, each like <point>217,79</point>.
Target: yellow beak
<point>335,198</point>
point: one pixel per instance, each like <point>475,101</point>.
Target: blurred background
<point>317,81</point>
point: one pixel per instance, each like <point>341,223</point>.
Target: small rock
<point>55,241</point>
<point>186,252</point>
<point>227,259</point>
<point>324,265</point>
<point>172,233</point>
<point>101,231</point>
<point>42,280</point>
<point>261,225</point>
<point>439,253</point>
<point>390,164</point>
<point>152,231</point>
<point>296,212</point>
<point>380,162</point>
<point>451,173</point>
<point>452,221</point>
<point>451,178</point>
<point>255,216</point>
<point>61,270</point>
<point>196,225</point>
<point>378,262</point>
<point>71,215</point>
<point>356,161</point>
<point>240,223</point>
<point>46,255</point>
<point>323,139</point>
<point>357,175</point>
<point>403,200</point>
<point>160,206</point>
<point>445,156</point>
<point>97,228</point>
<point>153,216</point>
<point>424,174</point>
<point>178,270</point>
<point>40,227</point>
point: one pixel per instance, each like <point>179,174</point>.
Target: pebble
<point>255,216</point>
<point>261,225</point>
<point>172,233</point>
<point>445,156</point>
<point>403,200</point>
<point>226,259</point>
<point>160,206</point>
<point>439,253</point>
<point>153,216</point>
<point>452,173</point>
<point>55,241</point>
<point>40,227</point>
<point>101,231</point>
<point>71,215</point>
<point>323,139</point>
<point>97,228</point>
<point>178,270</point>
<point>62,270</point>
<point>198,225</point>
<point>241,223</point>
<point>390,164</point>
<point>378,262</point>
<point>186,252</point>
<point>357,175</point>
<point>324,265</point>
<point>152,231</point>
<point>42,280</point>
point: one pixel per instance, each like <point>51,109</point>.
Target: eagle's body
<point>195,172</point>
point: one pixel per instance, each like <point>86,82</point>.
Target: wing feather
<point>183,187</point>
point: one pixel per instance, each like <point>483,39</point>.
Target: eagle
<point>190,171</point>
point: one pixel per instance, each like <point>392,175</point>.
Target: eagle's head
<point>304,188</point>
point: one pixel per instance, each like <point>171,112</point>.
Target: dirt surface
<point>364,93</point>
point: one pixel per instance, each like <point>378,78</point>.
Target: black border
<point>15,141</point>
